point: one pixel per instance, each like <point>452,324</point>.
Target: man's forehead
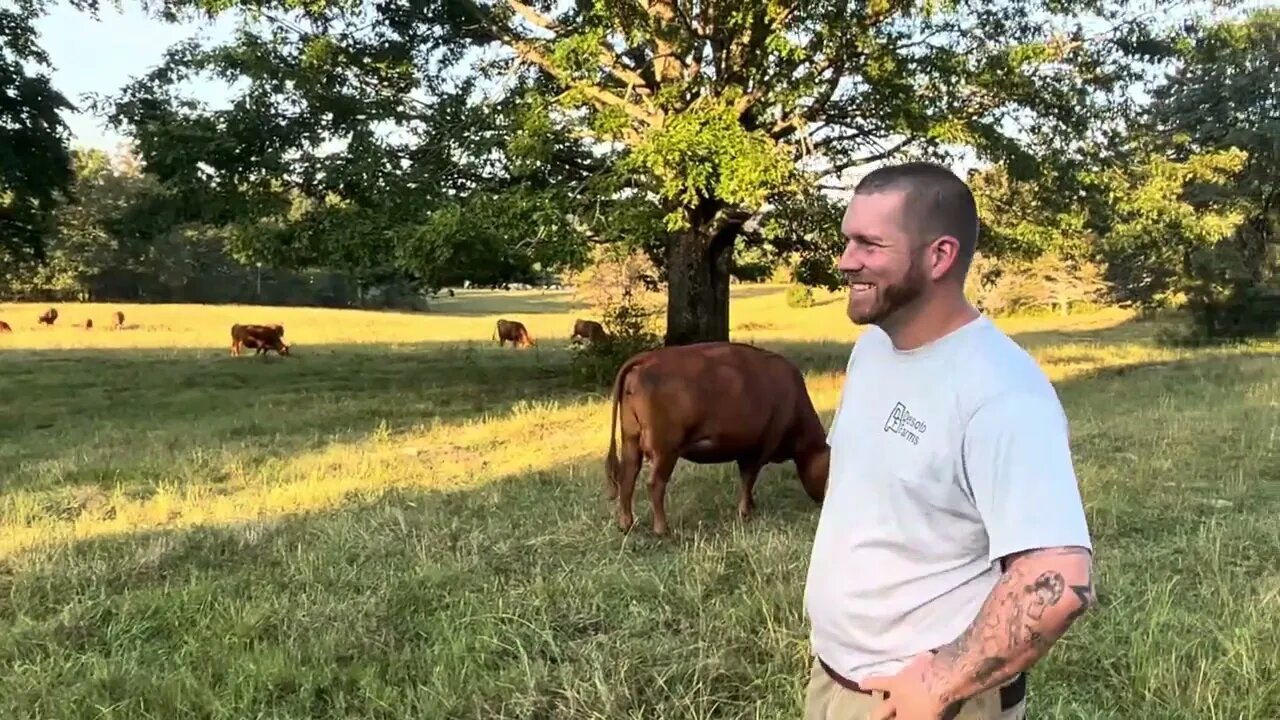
<point>875,207</point>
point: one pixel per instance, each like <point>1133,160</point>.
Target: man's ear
<point>944,254</point>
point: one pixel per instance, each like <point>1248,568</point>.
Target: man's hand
<point>912,695</point>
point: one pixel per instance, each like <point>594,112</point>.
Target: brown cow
<point>119,320</point>
<point>260,337</point>
<point>48,318</point>
<point>588,330</point>
<point>88,324</point>
<point>514,331</point>
<point>711,403</point>
<point>4,327</point>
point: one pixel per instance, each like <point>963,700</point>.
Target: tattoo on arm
<point>1017,624</point>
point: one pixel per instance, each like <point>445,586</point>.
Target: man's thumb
<point>875,682</point>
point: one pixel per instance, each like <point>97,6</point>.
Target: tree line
<point>378,151</point>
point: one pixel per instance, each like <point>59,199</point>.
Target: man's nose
<point>850,259</point>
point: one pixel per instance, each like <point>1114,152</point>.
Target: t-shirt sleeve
<point>835,417</point>
<point>1017,460</point>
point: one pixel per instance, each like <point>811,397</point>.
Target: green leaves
<point>705,153</point>
<point>35,164</point>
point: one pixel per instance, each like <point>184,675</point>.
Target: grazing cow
<point>261,338</point>
<point>711,403</point>
<point>119,320</point>
<point>514,331</point>
<point>4,327</point>
<point>49,317</point>
<point>588,330</point>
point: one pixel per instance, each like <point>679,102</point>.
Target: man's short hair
<point>937,203</point>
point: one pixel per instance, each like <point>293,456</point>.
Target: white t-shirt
<point>943,459</point>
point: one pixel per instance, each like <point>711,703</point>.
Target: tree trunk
<point>698,265</point>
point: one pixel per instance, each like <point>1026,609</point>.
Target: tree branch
<point>874,157</point>
<point>526,49</point>
<point>534,16</point>
<point>529,52</point>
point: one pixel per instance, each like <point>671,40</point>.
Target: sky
<point>101,56</point>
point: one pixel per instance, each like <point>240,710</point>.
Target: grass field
<point>405,521</point>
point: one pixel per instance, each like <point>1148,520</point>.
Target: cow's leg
<point>658,477</point>
<point>629,470</point>
<point>746,497</point>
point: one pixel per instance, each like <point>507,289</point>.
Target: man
<point>952,549</point>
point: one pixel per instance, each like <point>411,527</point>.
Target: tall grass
<point>406,521</point>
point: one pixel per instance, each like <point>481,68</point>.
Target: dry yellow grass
<point>405,520</point>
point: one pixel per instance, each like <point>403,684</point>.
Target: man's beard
<point>888,299</point>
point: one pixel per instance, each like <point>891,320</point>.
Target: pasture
<point>405,521</point>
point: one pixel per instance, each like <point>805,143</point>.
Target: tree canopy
<point>414,144</point>
<point>681,127</point>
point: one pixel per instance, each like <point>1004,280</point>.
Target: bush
<point>617,287</point>
<point>1240,312</point>
<point>799,296</point>
<point>1049,283</point>
<point>631,326</point>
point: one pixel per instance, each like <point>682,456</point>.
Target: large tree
<point>1225,95</point>
<point>35,161</point>
<point>684,126</point>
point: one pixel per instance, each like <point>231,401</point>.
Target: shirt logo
<point>901,422</point>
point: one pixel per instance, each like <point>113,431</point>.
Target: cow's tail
<point>612,461</point>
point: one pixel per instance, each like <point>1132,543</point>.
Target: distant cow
<point>4,327</point>
<point>119,320</point>
<point>88,324</point>
<point>261,338</point>
<point>49,317</point>
<point>588,330</point>
<point>711,403</point>
<point>514,331</point>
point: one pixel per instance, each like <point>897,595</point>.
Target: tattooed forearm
<point>1038,597</point>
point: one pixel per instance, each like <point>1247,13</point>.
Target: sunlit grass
<point>407,521</point>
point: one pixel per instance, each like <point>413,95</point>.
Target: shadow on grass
<point>118,406</point>
<point>142,409</point>
<point>465,603</point>
<point>519,598</point>
<point>122,417</point>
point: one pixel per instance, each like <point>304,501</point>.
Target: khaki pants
<point>825,699</point>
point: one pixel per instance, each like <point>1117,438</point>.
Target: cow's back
<point>732,392</point>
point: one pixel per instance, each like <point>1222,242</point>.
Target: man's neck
<point>929,320</point>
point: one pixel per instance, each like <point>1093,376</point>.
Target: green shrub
<point>799,296</point>
<point>631,328</point>
<point>1241,312</point>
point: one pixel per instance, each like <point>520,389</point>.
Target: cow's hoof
<point>625,523</point>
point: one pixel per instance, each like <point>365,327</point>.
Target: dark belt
<point>1010,695</point>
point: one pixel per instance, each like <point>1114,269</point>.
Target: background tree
<point>35,161</point>
<point>691,125</point>
<point>1225,94</point>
